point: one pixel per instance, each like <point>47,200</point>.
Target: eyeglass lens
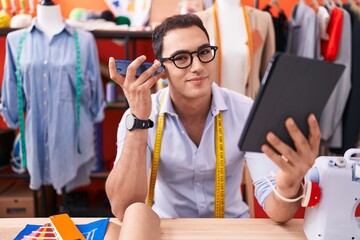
<point>184,60</point>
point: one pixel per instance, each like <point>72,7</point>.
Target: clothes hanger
<point>315,4</point>
<point>338,3</point>
<point>329,4</point>
<point>276,3</point>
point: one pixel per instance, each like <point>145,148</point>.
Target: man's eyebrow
<point>186,51</point>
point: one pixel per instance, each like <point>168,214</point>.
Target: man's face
<point>194,81</point>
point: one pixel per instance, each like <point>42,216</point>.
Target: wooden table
<point>186,229</point>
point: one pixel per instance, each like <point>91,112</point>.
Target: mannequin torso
<point>50,19</point>
<point>235,52</point>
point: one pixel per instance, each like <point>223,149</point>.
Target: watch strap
<point>143,124</point>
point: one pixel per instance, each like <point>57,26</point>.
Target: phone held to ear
<point>122,65</point>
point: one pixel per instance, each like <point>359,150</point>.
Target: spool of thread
<point>110,92</point>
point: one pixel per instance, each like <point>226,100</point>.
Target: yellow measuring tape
<point>156,154</point>
<point>220,168</point>
<point>219,208</point>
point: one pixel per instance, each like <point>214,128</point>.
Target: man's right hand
<point>137,90</point>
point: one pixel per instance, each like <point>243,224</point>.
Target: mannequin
<point>235,53</point>
<point>246,39</point>
<point>50,19</point>
<point>56,68</point>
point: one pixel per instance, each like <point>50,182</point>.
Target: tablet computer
<point>294,87</point>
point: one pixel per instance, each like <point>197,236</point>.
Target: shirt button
<point>198,184</point>
<point>45,75</point>
<point>45,62</point>
<point>45,89</point>
<point>45,103</point>
<point>45,117</point>
<point>202,205</point>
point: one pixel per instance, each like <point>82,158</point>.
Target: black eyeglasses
<point>184,59</point>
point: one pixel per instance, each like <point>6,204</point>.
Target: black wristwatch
<point>132,122</point>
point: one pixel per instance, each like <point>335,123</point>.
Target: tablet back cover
<point>294,87</point>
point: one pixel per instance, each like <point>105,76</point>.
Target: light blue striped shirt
<point>186,173</point>
<point>48,70</point>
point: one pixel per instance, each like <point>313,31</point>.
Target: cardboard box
<point>17,201</point>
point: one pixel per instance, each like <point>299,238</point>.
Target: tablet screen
<point>294,87</point>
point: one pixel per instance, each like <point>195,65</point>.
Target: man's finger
<point>146,76</point>
<point>287,153</point>
<point>314,133</point>
<point>275,157</point>
<point>134,65</point>
<point>300,141</point>
<point>113,72</point>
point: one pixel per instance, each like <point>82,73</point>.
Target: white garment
<point>323,17</point>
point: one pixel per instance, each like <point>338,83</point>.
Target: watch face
<point>129,121</point>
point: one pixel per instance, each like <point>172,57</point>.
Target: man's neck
<point>193,114</point>
<point>194,109</point>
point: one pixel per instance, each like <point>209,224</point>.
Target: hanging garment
<point>263,41</point>
<point>331,118</point>
<point>303,36</point>
<point>323,18</point>
<point>330,47</point>
<point>48,71</point>
<point>351,116</point>
<point>281,29</point>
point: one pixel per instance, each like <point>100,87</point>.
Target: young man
<point>192,108</point>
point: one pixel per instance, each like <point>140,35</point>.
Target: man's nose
<point>196,63</point>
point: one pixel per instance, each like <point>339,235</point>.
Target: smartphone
<point>122,65</point>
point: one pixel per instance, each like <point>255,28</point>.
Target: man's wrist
<point>293,194</point>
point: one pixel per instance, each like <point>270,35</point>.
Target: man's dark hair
<point>172,23</point>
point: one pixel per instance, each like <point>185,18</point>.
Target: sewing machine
<point>333,218</point>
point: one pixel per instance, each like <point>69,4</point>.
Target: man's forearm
<point>127,182</point>
<point>279,210</point>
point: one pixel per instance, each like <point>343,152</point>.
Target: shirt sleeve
<point>261,167</point>
<point>9,95</point>
<point>96,86</point>
<point>263,189</point>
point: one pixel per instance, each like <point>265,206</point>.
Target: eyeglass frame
<point>213,48</point>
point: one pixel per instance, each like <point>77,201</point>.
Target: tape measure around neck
<point>20,92</point>
<point>156,154</point>
<point>219,207</point>
<point>218,39</point>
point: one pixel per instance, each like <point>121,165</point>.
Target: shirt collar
<point>218,102</point>
<point>35,25</point>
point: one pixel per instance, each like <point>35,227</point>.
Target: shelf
<point>117,105</point>
<point>127,35</point>
<point>104,34</point>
